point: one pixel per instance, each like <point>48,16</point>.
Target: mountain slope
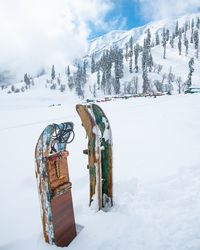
<point>121,37</point>
<point>175,62</point>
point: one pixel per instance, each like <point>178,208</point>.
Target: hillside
<point>121,37</point>
<point>175,62</point>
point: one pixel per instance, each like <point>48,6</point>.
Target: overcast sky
<point>37,33</point>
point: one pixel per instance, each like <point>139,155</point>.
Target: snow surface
<point>156,172</point>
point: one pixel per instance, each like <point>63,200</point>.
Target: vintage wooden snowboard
<point>106,154</point>
<point>94,155</point>
<point>54,185</point>
<point>99,152</point>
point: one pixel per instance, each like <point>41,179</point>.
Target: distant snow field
<point>156,145</point>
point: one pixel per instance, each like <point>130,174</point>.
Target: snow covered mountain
<point>178,53</point>
<point>121,37</point>
<point>95,82</point>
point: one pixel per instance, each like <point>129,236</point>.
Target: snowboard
<point>99,151</point>
<point>94,156</point>
<point>54,186</point>
<point>106,155</point>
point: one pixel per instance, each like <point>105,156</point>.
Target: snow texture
<point>156,172</point>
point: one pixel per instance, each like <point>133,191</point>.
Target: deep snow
<point>156,173</point>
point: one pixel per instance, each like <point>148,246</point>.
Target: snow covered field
<point>156,173</point>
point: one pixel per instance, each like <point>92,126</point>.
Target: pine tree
<point>148,39</point>
<point>53,74</point>
<point>148,56</point>
<point>179,84</point>
<point>71,82</point>
<point>93,66</point>
<point>186,44</point>
<point>27,80</point>
<point>79,82</point>
<point>148,47</point>
<point>172,42</point>
<point>144,68</point>
<point>167,35</point>
<point>85,64</point>
<point>58,80</point>
<point>180,42</point>
<point>191,38</point>
<point>135,84</point>
<point>150,63</point>
<point>136,54</point>
<point>126,52</point>
<point>103,83</point>
<point>170,76</point>
<point>108,73</point>
<point>79,90</point>
<point>164,43</point>
<point>145,80</point>
<point>13,88</point>
<point>176,29</point>
<point>127,87</point>
<point>108,67</point>
<point>62,87</point>
<point>118,69</point>
<point>131,55</point>
<point>105,65</point>
<point>192,31</point>
<point>109,86</point>
<point>196,42</point>
<point>191,70</point>
<point>68,71</point>
<point>188,24</point>
<point>186,27</point>
<point>192,24</point>
<point>131,65</point>
<point>198,23</point>
<point>98,79</point>
<point>157,39</point>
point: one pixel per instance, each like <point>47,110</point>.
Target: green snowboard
<point>99,153</point>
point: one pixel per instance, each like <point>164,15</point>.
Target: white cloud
<point>36,33</point>
<point>157,9</point>
<point>116,22</point>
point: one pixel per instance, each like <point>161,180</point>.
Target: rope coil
<point>63,134</point>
